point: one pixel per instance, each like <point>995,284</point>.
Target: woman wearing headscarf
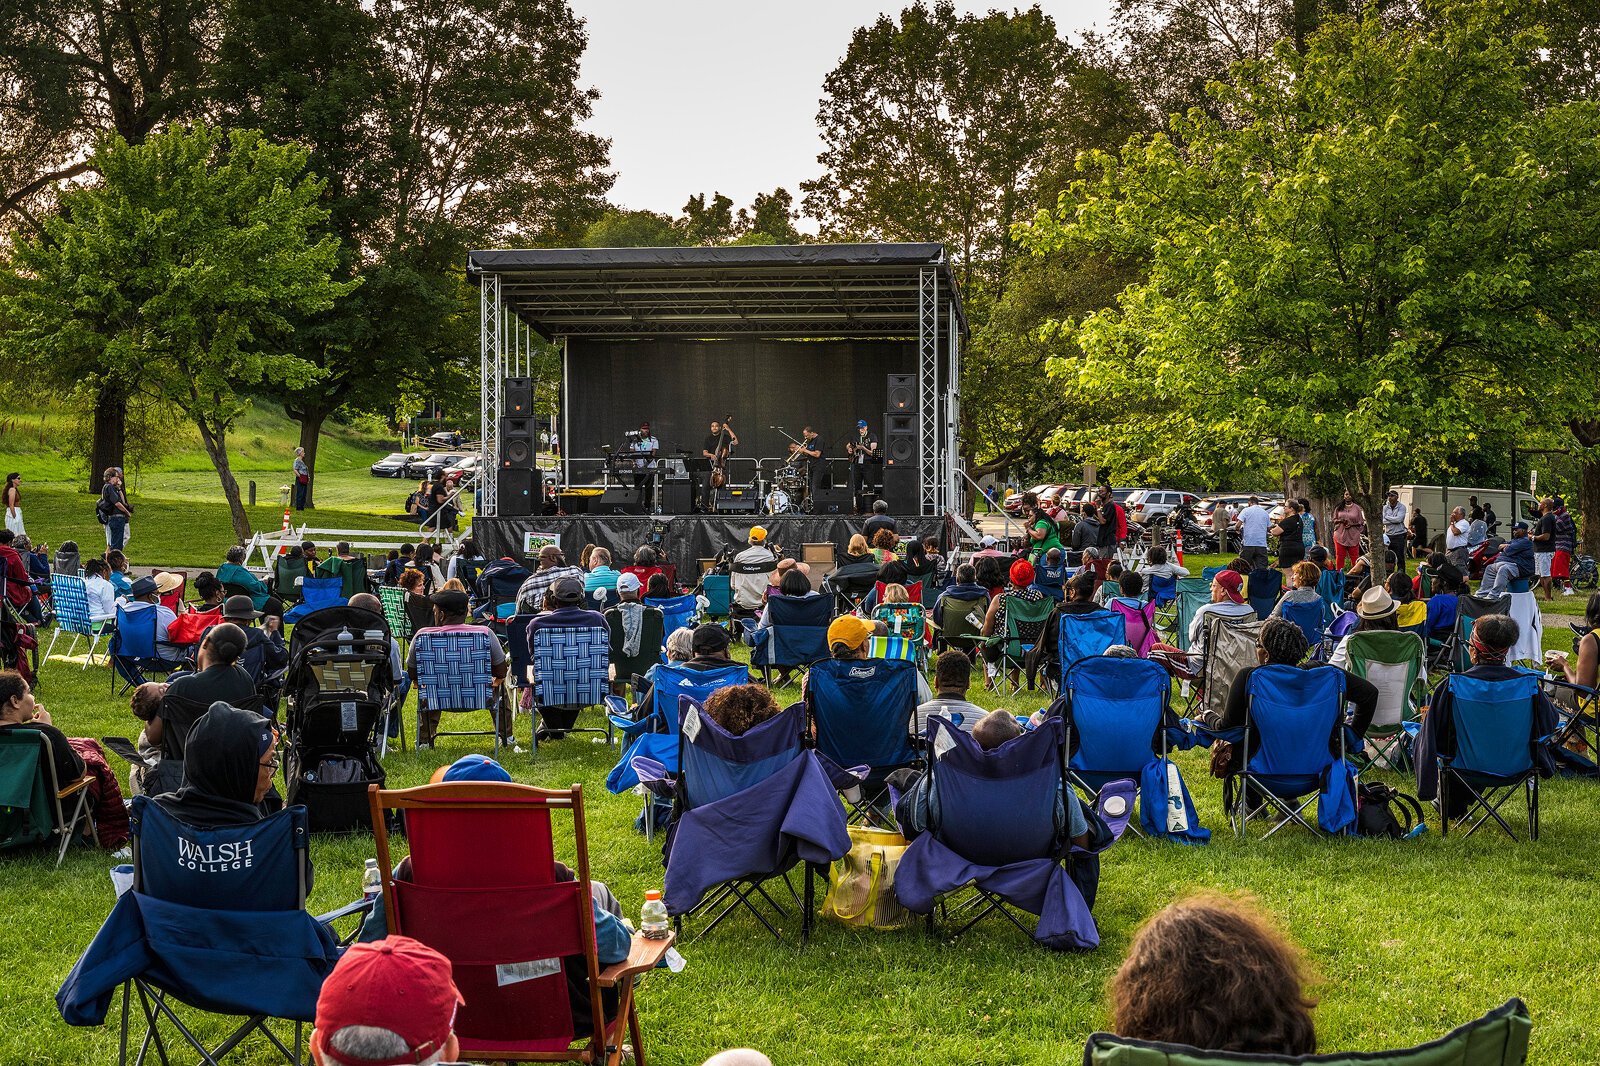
<point>228,763</point>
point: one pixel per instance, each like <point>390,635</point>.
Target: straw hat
<point>1375,603</point>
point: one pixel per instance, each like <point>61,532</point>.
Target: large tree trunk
<point>1588,434</point>
<point>110,432</point>
<point>215,440</point>
<point>311,420</point>
<point>1369,492</point>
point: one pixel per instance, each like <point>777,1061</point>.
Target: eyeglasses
<point>272,763</point>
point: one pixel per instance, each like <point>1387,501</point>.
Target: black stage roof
<point>805,290</point>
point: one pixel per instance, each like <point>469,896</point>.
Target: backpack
<point>1122,523</point>
<point>1382,811</point>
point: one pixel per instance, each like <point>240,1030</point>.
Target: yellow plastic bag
<point>861,892</point>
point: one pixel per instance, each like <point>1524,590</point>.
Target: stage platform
<point>684,538</point>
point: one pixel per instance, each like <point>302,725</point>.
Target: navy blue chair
<point>1493,760</point>
<point>1264,586</point>
<point>861,711</point>
<point>133,647</point>
<point>1312,620</point>
<point>676,612</point>
<point>1083,636</point>
<point>1289,730</point>
<point>796,634</point>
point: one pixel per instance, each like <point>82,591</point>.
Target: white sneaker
<point>424,747</point>
<point>1569,591</point>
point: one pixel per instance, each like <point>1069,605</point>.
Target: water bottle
<point>371,881</point>
<point>345,637</point>
<point>653,917</point>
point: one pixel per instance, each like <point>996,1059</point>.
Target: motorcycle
<point>1480,557</point>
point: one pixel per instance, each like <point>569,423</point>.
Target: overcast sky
<point>721,95</point>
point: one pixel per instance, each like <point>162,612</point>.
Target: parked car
<point>1151,506</point>
<point>448,438</point>
<point>391,465</point>
<point>433,465</point>
<point>467,468</point>
<point>1239,500</point>
<point>1013,503</point>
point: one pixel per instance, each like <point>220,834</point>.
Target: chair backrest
<point>991,806</point>
<point>1264,585</point>
<point>319,592</point>
<point>718,591</point>
<point>570,665</point>
<point>261,866</point>
<point>352,575</point>
<point>905,620</point>
<point>1082,636</point>
<point>673,683</point>
<point>1230,647</point>
<point>1163,590</point>
<point>289,574</point>
<point>454,671</point>
<point>1468,610</point>
<point>69,597</point>
<point>652,638</point>
<point>1311,618</point>
<point>27,813</point>
<point>963,621</point>
<point>393,598</point>
<point>1193,593</point>
<point>1330,586</point>
<point>1138,621</point>
<point>483,892</point>
<point>676,612</point>
<point>1392,661</point>
<point>1020,613</point>
<point>714,764</point>
<point>1209,572</point>
<point>1115,710</point>
<point>171,600</point>
<point>913,590</point>
<point>517,649</point>
<point>1292,713</point>
<point>861,710</point>
<point>1493,723</point>
<point>136,630</point>
<point>799,631</point>
<point>598,599</point>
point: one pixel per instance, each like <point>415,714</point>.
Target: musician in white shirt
<point>644,448</point>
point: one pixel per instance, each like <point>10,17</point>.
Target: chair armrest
<point>77,786</point>
<point>359,906</point>
<point>644,955</point>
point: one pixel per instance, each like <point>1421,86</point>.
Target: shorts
<point>1561,564</point>
<point>1541,563</point>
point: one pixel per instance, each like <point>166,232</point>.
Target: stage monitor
<point>680,386</point>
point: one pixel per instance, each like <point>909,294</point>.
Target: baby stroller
<point>340,691</point>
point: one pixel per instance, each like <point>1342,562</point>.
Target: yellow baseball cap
<point>758,534</point>
<point>850,631</point>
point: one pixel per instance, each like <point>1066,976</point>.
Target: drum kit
<point>788,486</point>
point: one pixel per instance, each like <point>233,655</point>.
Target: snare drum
<point>778,502</point>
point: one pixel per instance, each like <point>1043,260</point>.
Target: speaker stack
<point>517,483</point>
<point>902,457</point>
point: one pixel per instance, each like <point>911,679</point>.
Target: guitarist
<point>717,446</point>
<point>865,466</point>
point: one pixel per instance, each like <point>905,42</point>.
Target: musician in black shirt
<point>721,436</point>
<point>810,452</point>
<point>864,465</point>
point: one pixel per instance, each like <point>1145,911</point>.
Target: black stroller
<point>341,690</point>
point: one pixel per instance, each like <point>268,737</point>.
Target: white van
<point>1437,501</point>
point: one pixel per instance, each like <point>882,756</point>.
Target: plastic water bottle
<point>371,881</point>
<point>345,637</point>
<point>653,917</point>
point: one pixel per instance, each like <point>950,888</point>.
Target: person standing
<point>1566,542</point>
<point>864,460</point>
<point>11,497</point>
<point>645,448</point>
<point>1291,537</point>
<point>1417,528</point>
<point>1349,521</point>
<point>1254,522</point>
<point>1394,527</point>
<point>302,479</point>
<point>723,440</point>
<point>810,451</point>
<point>1456,532</point>
<point>114,512</point>
<point>1544,546</point>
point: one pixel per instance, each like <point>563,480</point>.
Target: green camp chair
<point>352,574</point>
<point>1392,661</point>
<point>1499,1038</point>
<point>963,623</point>
<point>393,598</point>
<point>34,806</point>
<point>287,574</point>
<point>1013,649</point>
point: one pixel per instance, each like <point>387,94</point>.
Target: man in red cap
<point>386,1003</point>
<point>1227,600</point>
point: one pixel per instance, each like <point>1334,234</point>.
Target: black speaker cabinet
<point>832,502</point>
<point>517,447</point>
<point>677,496</point>
<point>902,473</point>
<point>518,398</point>
<point>902,394</point>
<point>615,501</point>
<point>515,492</point>
<point>737,500</point>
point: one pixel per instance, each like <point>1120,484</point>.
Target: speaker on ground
<point>515,492</point>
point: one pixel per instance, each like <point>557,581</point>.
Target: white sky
<point>721,95</point>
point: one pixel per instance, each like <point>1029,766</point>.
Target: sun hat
<point>1375,603</point>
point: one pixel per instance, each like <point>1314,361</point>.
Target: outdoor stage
<point>685,538</point>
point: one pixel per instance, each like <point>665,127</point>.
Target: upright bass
<point>719,457</point>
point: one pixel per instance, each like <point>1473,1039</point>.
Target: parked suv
<point>1151,506</point>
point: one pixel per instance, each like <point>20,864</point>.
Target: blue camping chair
<point>718,591</point>
<point>454,674</point>
<point>1493,760</point>
<point>989,825</point>
<point>1291,714</point>
<point>1083,636</point>
<point>133,646</point>
<point>1118,720</point>
<point>750,807</point>
<point>1051,580</point>
<point>201,928</point>
<point>69,598</point>
<point>1163,593</point>
<point>316,593</point>
<point>1264,586</point>
<point>796,634</point>
<point>571,670</point>
<point>676,612</point>
<point>1312,620</point>
<point>1209,572</point>
<point>860,711</point>
<point>1193,593</point>
<point>1330,586</point>
<point>601,598</point>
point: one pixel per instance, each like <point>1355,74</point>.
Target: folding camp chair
<point>1494,737</point>
<point>70,601</point>
<point>133,646</point>
<point>1192,594</point>
<point>1163,592</point>
<point>315,594</point>
<point>1082,636</point>
<point>570,672</point>
<point>796,634</point>
<point>962,625</point>
<point>1021,614</point>
<point>601,599</point>
<point>860,711</point>
<point>1577,734</point>
<point>174,599</point>
<point>393,599</point>
<point>485,891</point>
<point>1312,621</point>
<point>454,673</point>
<point>1468,610</point>
<point>1230,647</point>
<point>34,805</point>
<point>1392,661</point>
<point>676,612</point>
<point>652,638</point>
<point>1330,587</point>
<point>220,935</point>
<point>1138,622</point>
<point>1292,713</point>
<point>287,576</point>
<point>1265,586</point>
<point>906,622</point>
<point>1209,572</point>
<point>748,809</point>
<point>1499,1038</point>
<point>718,591</point>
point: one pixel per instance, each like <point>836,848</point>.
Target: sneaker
<point>1569,591</point>
<point>424,747</point>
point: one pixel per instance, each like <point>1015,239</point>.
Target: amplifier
<point>832,502</point>
<point>677,496</point>
<point>616,501</point>
<point>740,500</point>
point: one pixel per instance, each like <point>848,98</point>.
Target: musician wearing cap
<point>865,465</point>
<point>645,448</point>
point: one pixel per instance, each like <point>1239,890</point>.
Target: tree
<point>620,228</point>
<point>179,272</point>
<point>1371,266</point>
<point>71,70</point>
<point>769,220</point>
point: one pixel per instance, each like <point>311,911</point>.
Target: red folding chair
<point>173,599</point>
<point>483,893</point>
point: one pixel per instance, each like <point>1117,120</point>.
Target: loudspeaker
<point>832,501</point>
<point>734,500</point>
<point>902,393</point>
<point>518,398</point>
<point>615,501</point>
<point>902,466</point>
<point>517,448</point>
<point>515,492</point>
<point>677,496</point>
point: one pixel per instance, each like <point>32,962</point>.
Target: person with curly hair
<point>884,543</point>
<point>1212,972</point>
<point>740,708</point>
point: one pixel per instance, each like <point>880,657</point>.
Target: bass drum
<point>778,502</point>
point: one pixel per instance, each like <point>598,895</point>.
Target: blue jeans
<point>116,532</point>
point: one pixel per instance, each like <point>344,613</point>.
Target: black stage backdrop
<point>684,539</point>
<point>680,386</point>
